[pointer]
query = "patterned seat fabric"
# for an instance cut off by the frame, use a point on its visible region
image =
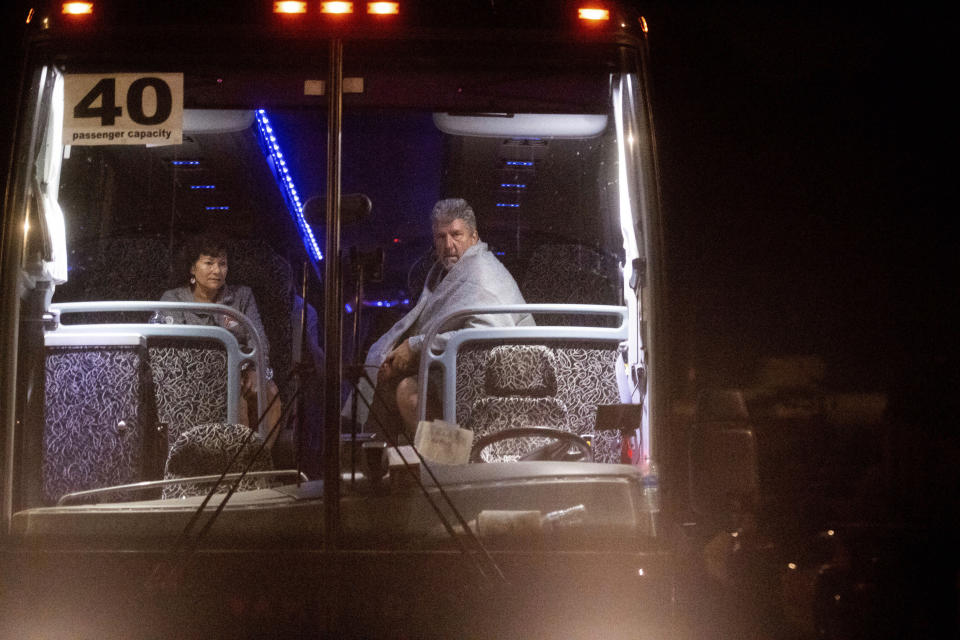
(189, 383)
(88, 393)
(255, 264)
(571, 274)
(175, 383)
(491, 415)
(523, 370)
(557, 384)
(206, 450)
(130, 268)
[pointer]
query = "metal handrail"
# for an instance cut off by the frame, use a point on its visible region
(446, 358)
(255, 355)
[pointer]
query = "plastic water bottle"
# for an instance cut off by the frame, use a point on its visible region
(651, 495)
(564, 518)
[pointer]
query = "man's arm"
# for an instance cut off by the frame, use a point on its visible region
(402, 361)
(415, 343)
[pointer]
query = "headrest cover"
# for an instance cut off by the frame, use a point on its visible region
(520, 370)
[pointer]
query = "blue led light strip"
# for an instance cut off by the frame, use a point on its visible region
(274, 155)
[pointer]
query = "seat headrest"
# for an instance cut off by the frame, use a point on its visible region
(520, 370)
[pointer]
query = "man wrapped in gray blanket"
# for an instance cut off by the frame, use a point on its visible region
(466, 274)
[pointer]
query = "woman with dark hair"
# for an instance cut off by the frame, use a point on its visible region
(205, 258)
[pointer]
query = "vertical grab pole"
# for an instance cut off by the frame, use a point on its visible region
(333, 304)
(298, 427)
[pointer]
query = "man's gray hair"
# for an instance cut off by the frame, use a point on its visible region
(450, 209)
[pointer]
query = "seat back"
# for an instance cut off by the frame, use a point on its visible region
(507, 387)
(127, 268)
(207, 449)
(554, 383)
(97, 419)
(571, 274)
(189, 384)
(553, 376)
(255, 264)
(117, 396)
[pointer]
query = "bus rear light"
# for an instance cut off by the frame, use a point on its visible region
(289, 7)
(593, 14)
(77, 8)
(339, 8)
(383, 8)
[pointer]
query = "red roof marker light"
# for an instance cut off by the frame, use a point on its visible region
(289, 7)
(593, 14)
(383, 8)
(339, 8)
(77, 8)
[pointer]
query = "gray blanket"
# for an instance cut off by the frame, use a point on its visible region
(477, 279)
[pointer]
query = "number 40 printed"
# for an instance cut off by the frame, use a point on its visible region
(125, 108)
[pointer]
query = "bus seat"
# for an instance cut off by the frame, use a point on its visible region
(572, 274)
(255, 264)
(125, 268)
(207, 449)
(111, 413)
(517, 388)
(553, 384)
(587, 377)
(141, 268)
(189, 381)
(96, 429)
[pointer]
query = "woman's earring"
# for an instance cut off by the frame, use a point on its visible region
(193, 280)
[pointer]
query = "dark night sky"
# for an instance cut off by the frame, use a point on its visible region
(803, 159)
(801, 212)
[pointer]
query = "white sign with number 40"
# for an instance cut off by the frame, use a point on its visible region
(123, 108)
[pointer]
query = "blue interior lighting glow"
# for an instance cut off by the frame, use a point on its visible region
(508, 204)
(383, 303)
(184, 163)
(203, 186)
(512, 185)
(274, 156)
(519, 163)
